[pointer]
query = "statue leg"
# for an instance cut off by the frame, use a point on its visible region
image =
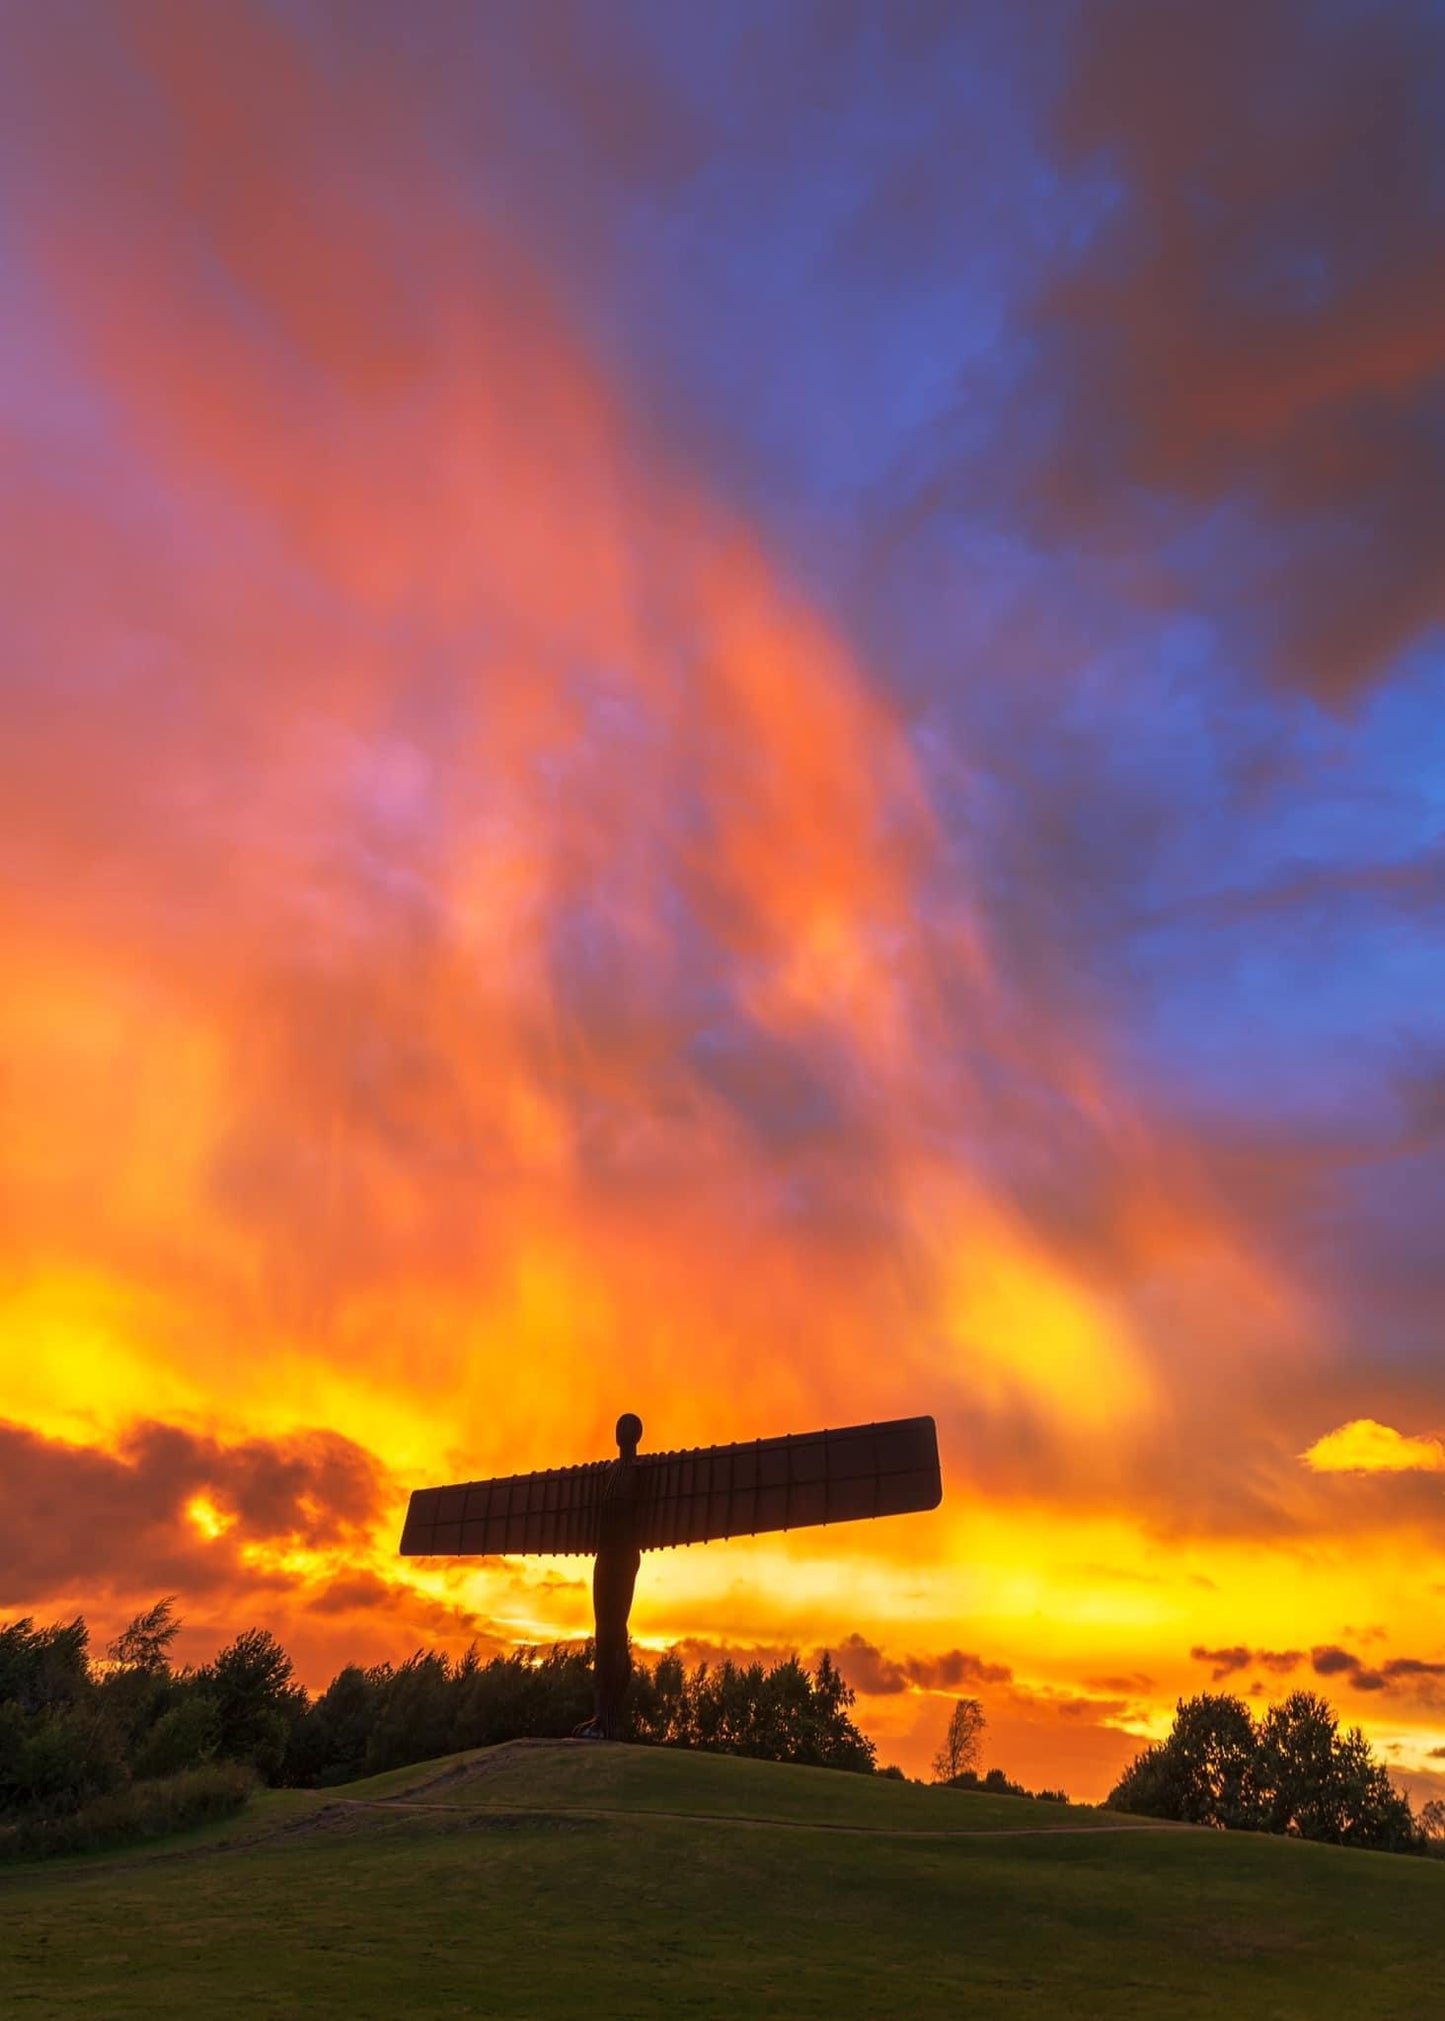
(613, 1579)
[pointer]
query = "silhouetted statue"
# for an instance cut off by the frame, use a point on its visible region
(614, 1575)
(617, 1509)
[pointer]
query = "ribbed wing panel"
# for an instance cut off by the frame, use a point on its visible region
(789, 1483)
(554, 1512)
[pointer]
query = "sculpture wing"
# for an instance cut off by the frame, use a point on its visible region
(553, 1512)
(789, 1483)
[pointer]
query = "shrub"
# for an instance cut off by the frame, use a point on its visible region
(147, 1810)
(996, 1783)
(66, 1757)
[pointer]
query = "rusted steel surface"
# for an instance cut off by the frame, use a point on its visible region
(790, 1483)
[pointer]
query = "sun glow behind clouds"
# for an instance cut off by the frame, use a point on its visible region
(203, 1515)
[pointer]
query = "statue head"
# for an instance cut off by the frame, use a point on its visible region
(629, 1431)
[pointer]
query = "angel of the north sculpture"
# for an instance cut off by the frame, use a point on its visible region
(614, 1510)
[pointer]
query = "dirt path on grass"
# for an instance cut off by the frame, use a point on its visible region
(567, 1810)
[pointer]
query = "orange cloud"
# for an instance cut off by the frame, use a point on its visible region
(1365, 1446)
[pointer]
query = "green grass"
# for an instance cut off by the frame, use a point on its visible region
(625, 1883)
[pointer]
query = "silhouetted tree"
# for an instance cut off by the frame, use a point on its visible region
(146, 1644)
(415, 1708)
(136, 1688)
(257, 1700)
(57, 1748)
(1318, 1783)
(784, 1714)
(1293, 1772)
(44, 1667)
(328, 1744)
(526, 1693)
(963, 1742)
(1205, 1773)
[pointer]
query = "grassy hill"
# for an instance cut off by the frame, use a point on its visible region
(565, 1879)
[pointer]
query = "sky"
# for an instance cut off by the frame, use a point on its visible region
(737, 713)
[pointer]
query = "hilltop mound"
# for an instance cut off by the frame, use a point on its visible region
(556, 1878)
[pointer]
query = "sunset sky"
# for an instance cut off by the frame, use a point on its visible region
(737, 712)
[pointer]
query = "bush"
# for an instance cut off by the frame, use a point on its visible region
(996, 1783)
(65, 1758)
(147, 1810)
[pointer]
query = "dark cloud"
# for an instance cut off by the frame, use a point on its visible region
(955, 1667)
(1225, 1662)
(396, 1606)
(354, 1593)
(1080, 1706)
(1009, 1702)
(1412, 1666)
(84, 1522)
(869, 1671)
(1329, 1660)
(1260, 321)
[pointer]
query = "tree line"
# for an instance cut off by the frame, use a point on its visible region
(389, 1715)
(94, 1751)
